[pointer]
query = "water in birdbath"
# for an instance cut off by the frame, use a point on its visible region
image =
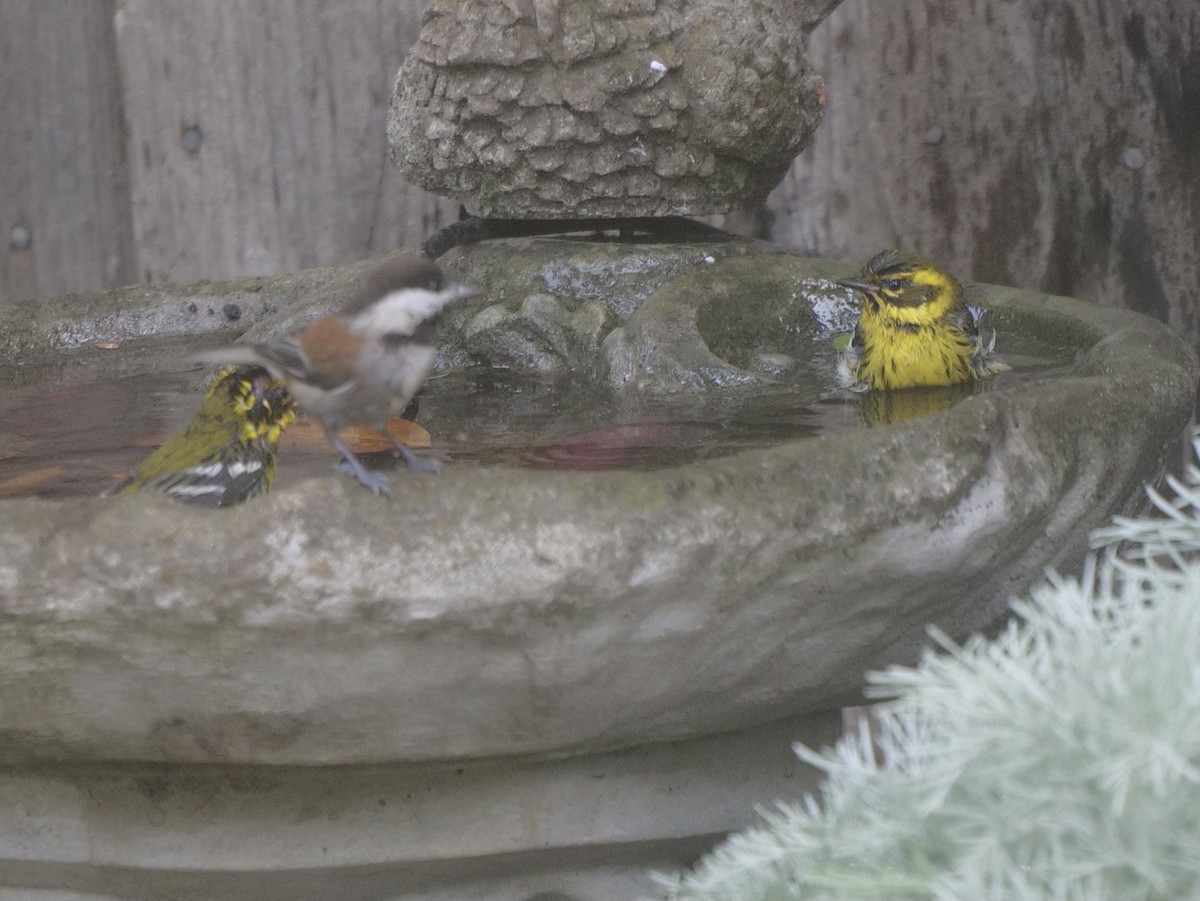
(92, 424)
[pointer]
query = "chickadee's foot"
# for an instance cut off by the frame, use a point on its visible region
(418, 464)
(411, 460)
(422, 464)
(377, 482)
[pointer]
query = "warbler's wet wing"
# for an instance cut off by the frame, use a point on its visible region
(858, 341)
(848, 372)
(966, 319)
(214, 483)
(983, 337)
(244, 483)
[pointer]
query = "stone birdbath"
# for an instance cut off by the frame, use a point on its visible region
(512, 682)
(509, 679)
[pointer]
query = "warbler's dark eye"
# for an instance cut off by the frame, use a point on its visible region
(893, 284)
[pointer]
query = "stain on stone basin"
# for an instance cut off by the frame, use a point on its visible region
(503, 610)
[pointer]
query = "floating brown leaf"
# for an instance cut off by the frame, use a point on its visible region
(29, 482)
(307, 436)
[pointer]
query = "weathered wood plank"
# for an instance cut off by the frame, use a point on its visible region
(62, 165)
(257, 139)
(1050, 146)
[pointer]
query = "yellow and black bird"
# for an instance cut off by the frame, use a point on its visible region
(227, 453)
(915, 329)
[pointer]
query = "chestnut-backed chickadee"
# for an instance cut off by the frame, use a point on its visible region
(364, 363)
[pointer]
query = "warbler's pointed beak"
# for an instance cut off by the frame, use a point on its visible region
(857, 284)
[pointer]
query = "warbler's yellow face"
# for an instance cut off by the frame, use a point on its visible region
(256, 400)
(906, 288)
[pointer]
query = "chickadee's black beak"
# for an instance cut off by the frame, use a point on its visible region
(857, 284)
(461, 290)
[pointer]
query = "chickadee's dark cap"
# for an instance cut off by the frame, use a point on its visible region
(396, 275)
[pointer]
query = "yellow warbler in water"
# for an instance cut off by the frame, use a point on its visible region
(915, 329)
(227, 453)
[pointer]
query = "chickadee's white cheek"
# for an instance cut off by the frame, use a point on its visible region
(399, 312)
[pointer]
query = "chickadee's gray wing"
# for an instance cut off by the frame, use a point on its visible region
(285, 357)
(325, 355)
(238, 354)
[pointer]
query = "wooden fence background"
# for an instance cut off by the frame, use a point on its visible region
(1044, 145)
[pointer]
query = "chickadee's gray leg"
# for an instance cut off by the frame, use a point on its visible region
(376, 481)
(411, 460)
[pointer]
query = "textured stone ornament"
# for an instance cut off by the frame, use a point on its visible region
(593, 108)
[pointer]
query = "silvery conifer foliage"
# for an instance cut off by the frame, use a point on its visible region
(1060, 760)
